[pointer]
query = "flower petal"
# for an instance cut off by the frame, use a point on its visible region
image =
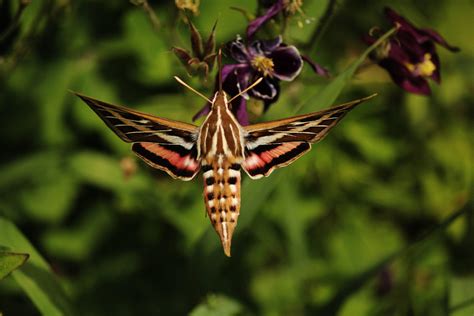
(238, 51)
(404, 78)
(416, 85)
(287, 62)
(397, 19)
(267, 103)
(399, 53)
(266, 90)
(204, 111)
(320, 70)
(239, 108)
(264, 47)
(236, 78)
(421, 35)
(229, 69)
(269, 45)
(436, 75)
(258, 22)
(435, 36)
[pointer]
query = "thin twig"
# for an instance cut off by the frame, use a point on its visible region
(321, 26)
(244, 12)
(155, 22)
(23, 45)
(16, 20)
(438, 228)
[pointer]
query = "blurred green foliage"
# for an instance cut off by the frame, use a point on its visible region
(9, 261)
(376, 220)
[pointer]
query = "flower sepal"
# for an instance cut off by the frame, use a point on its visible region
(201, 59)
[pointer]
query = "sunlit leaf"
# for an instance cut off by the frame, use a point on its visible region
(98, 169)
(461, 295)
(217, 305)
(36, 277)
(10, 261)
(42, 186)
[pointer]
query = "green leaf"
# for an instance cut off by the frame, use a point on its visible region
(81, 240)
(30, 184)
(358, 304)
(98, 169)
(217, 305)
(36, 277)
(461, 295)
(10, 261)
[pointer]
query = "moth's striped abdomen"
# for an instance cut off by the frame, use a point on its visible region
(222, 197)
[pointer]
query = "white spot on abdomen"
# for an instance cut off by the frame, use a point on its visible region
(208, 174)
(234, 173)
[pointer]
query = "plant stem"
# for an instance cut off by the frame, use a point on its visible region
(321, 26)
(155, 22)
(15, 22)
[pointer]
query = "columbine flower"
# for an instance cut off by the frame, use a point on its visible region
(201, 60)
(410, 55)
(270, 59)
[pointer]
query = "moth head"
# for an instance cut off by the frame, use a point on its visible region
(220, 100)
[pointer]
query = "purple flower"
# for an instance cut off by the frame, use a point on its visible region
(410, 55)
(270, 59)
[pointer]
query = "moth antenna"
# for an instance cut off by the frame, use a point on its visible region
(192, 89)
(219, 64)
(247, 89)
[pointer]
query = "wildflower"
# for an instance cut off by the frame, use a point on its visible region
(201, 60)
(410, 55)
(270, 59)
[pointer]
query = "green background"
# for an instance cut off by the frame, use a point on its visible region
(376, 220)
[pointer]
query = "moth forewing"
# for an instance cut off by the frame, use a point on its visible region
(163, 144)
(276, 144)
